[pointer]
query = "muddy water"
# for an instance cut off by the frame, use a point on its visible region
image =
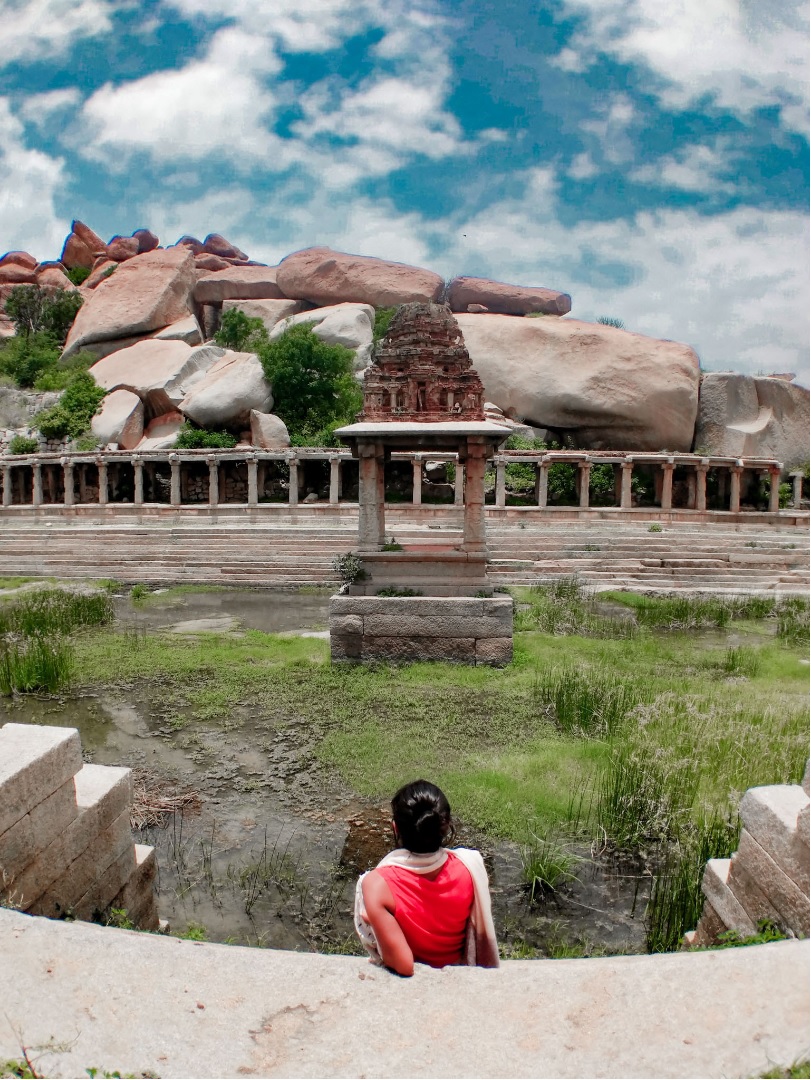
(271, 856)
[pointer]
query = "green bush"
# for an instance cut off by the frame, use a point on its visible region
(32, 309)
(313, 385)
(240, 332)
(609, 320)
(71, 417)
(25, 358)
(191, 438)
(22, 444)
(57, 377)
(383, 317)
(79, 274)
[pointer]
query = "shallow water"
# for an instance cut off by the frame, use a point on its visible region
(272, 855)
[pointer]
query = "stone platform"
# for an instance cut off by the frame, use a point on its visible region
(460, 629)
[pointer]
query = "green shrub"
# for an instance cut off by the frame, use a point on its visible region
(79, 274)
(22, 444)
(58, 376)
(349, 568)
(383, 317)
(71, 416)
(609, 320)
(191, 438)
(32, 309)
(26, 357)
(240, 332)
(313, 384)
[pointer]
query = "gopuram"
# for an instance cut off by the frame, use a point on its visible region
(428, 601)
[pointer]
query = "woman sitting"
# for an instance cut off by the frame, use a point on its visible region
(424, 903)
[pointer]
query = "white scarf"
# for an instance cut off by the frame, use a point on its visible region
(481, 948)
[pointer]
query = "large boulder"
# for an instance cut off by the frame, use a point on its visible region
(144, 294)
(122, 248)
(119, 420)
(187, 330)
(18, 268)
(147, 240)
(52, 275)
(269, 311)
(19, 258)
(268, 431)
(503, 299)
(238, 283)
(350, 325)
(608, 388)
(215, 244)
(82, 247)
(161, 373)
(753, 416)
(231, 388)
(326, 277)
(162, 432)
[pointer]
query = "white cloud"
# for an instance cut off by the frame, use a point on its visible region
(582, 167)
(613, 117)
(40, 109)
(693, 168)
(744, 53)
(40, 29)
(31, 181)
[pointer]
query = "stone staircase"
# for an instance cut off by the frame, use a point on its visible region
(604, 554)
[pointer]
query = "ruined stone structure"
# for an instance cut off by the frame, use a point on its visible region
(767, 877)
(66, 847)
(422, 371)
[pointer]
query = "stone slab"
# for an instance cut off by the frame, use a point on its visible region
(102, 890)
(493, 607)
(789, 901)
(495, 651)
(345, 624)
(23, 842)
(137, 897)
(715, 886)
(770, 815)
(418, 649)
(103, 793)
(448, 626)
(34, 762)
(734, 1012)
(345, 646)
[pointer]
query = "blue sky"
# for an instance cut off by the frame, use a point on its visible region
(649, 158)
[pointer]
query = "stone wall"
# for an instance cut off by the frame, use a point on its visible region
(462, 629)
(767, 877)
(66, 847)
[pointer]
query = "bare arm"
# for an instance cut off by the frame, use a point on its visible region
(379, 904)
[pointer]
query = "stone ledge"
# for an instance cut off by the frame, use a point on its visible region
(34, 762)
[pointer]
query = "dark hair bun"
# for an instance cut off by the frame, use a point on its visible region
(422, 816)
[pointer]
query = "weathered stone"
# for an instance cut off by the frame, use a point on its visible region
(21, 844)
(122, 248)
(210, 262)
(607, 387)
(710, 927)
(19, 258)
(496, 651)
(119, 420)
(214, 244)
(350, 325)
(345, 624)
(87, 236)
(323, 276)
(147, 241)
(144, 294)
(192, 243)
(416, 649)
(268, 431)
(12, 273)
(447, 626)
(269, 311)
(187, 330)
(504, 299)
(162, 432)
(750, 416)
(715, 886)
(751, 893)
(102, 891)
(161, 373)
(476, 309)
(345, 647)
(52, 275)
(82, 247)
(34, 762)
(102, 269)
(770, 816)
(238, 283)
(137, 897)
(785, 897)
(806, 781)
(231, 388)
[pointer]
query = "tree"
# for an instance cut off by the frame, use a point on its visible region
(314, 389)
(33, 309)
(239, 331)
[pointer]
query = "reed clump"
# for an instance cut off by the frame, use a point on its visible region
(565, 606)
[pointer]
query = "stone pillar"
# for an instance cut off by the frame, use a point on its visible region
(459, 485)
(292, 493)
(666, 501)
(625, 488)
(735, 487)
(797, 494)
(174, 485)
(213, 480)
(253, 480)
(67, 470)
(617, 484)
(542, 485)
(370, 534)
(583, 473)
(6, 485)
(700, 480)
(138, 481)
(416, 480)
(381, 494)
(334, 479)
(36, 484)
(723, 483)
(474, 539)
(103, 489)
(82, 482)
(774, 490)
(501, 482)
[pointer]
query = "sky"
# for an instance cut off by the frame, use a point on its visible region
(649, 158)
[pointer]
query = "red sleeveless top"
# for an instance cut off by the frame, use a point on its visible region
(432, 914)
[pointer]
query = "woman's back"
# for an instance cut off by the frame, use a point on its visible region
(432, 909)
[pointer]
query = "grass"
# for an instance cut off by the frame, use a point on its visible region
(546, 864)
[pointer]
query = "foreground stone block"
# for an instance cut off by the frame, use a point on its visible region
(771, 816)
(20, 845)
(728, 908)
(785, 897)
(137, 897)
(119, 420)
(238, 283)
(417, 649)
(482, 295)
(231, 388)
(34, 762)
